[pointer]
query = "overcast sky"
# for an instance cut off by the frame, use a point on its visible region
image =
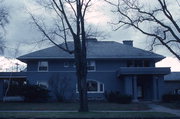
(21, 32)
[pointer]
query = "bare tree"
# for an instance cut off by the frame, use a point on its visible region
(163, 24)
(3, 22)
(59, 86)
(69, 24)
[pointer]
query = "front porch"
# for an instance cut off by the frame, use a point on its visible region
(143, 83)
(9, 78)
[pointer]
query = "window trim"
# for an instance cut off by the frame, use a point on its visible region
(43, 70)
(98, 84)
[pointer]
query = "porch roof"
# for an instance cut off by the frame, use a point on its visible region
(143, 71)
(13, 75)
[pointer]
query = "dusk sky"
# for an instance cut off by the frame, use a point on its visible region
(22, 34)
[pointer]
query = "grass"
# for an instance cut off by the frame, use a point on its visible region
(84, 115)
(73, 106)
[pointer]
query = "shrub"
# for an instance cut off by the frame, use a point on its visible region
(171, 98)
(36, 93)
(15, 90)
(118, 98)
(31, 93)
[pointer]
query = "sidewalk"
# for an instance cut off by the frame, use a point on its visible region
(159, 108)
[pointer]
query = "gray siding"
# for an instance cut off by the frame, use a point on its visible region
(32, 65)
(101, 65)
(106, 73)
(109, 65)
(111, 83)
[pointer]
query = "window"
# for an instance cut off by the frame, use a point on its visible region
(66, 64)
(101, 87)
(176, 91)
(91, 65)
(93, 87)
(130, 63)
(137, 63)
(74, 64)
(43, 66)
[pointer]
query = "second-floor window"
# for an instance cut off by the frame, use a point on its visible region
(138, 63)
(91, 65)
(66, 64)
(43, 66)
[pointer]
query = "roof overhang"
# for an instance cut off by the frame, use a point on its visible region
(25, 59)
(178, 80)
(143, 71)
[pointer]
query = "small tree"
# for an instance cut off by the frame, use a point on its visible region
(59, 86)
(164, 26)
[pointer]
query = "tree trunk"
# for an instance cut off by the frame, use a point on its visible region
(81, 72)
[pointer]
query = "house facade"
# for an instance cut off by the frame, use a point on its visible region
(112, 66)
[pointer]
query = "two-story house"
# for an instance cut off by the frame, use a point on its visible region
(112, 66)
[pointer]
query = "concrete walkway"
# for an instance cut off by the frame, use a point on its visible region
(159, 108)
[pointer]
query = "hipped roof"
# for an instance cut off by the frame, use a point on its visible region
(95, 50)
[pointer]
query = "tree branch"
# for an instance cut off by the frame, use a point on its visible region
(47, 36)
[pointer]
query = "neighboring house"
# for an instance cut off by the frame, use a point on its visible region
(112, 66)
(172, 83)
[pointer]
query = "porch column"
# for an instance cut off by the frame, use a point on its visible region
(1, 89)
(135, 97)
(155, 88)
(128, 85)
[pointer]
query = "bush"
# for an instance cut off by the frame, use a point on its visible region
(36, 93)
(171, 98)
(15, 90)
(118, 98)
(31, 93)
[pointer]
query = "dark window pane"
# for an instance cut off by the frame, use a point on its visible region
(92, 86)
(101, 87)
(90, 68)
(42, 68)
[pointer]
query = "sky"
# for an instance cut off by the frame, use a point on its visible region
(22, 35)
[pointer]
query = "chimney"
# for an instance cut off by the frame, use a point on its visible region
(128, 42)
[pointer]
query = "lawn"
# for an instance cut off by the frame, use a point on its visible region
(73, 106)
(84, 115)
(93, 106)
